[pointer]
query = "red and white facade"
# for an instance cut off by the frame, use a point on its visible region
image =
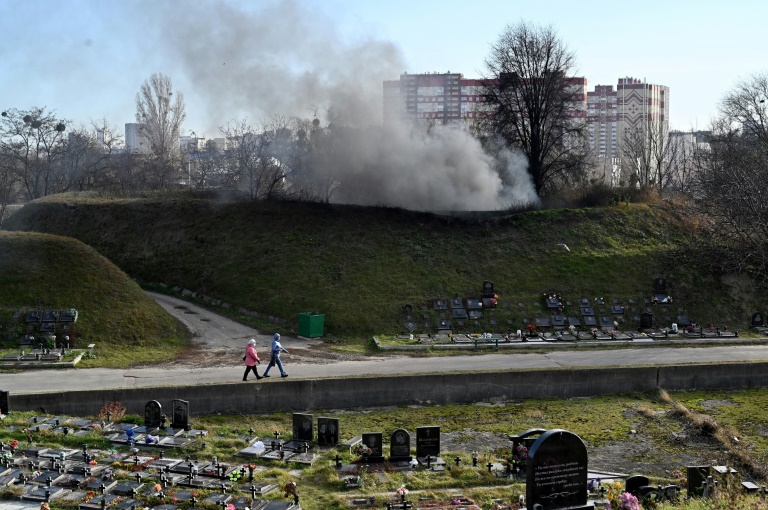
(449, 98)
(632, 107)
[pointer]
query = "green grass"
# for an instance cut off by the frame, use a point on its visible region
(360, 265)
(41, 272)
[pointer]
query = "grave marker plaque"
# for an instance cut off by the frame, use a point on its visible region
(303, 427)
(400, 446)
(5, 402)
(557, 472)
(152, 414)
(180, 414)
(758, 320)
(427, 441)
(327, 431)
(374, 441)
(646, 320)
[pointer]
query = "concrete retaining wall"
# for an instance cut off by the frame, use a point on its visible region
(308, 394)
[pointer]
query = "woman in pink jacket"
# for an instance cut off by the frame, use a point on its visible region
(251, 358)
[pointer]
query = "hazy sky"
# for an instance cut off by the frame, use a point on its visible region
(86, 59)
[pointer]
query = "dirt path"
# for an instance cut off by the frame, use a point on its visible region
(218, 341)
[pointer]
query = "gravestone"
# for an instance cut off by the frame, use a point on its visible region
(5, 402)
(633, 483)
(587, 311)
(660, 285)
(400, 446)
(474, 304)
(153, 412)
(441, 304)
(443, 325)
(374, 441)
(488, 289)
(696, 476)
(303, 427)
(590, 320)
(553, 303)
(556, 476)
(427, 442)
(558, 321)
(180, 413)
(459, 313)
(646, 320)
(327, 431)
(758, 320)
(457, 303)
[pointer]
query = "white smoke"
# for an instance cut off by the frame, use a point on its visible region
(288, 58)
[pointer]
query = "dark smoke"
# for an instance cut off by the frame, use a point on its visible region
(288, 58)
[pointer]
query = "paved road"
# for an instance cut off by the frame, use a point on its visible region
(221, 331)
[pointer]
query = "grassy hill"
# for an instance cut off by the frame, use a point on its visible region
(360, 265)
(39, 272)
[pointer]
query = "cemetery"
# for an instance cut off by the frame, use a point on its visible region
(488, 321)
(41, 338)
(166, 460)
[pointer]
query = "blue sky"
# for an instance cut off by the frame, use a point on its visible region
(86, 59)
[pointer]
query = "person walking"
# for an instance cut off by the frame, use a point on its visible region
(274, 359)
(251, 358)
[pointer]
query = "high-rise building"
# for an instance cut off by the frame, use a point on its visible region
(445, 98)
(449, 98)
(134, 140)
(633, 108)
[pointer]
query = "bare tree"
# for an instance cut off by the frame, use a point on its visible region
(88, 157)
(650, 155)
(32, 143)
(160, 114)
(9, 186)
(531, 101)
(732, 186)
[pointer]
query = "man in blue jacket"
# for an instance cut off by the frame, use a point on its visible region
(277, 348)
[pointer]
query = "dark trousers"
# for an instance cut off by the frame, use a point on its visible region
(248, 369)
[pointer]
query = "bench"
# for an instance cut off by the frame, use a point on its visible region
(487, 340)
(351, 443)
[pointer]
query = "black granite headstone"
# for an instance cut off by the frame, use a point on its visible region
(659, 285)
(152, 414)
(758, 320)
(488, 289)
(556, 474)
(374, 441)
(646, 320)
(5, 402)
(696, 476)
(303, 427)
(180, 418)
(427, 442)
(400, 446)
(327, 431)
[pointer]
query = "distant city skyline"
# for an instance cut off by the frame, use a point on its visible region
(86, 59)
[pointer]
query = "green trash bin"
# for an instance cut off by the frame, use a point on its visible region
(311, 324)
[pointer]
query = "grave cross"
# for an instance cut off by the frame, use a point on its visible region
(162, 454)
(253, 492)
(65, 430)
(489, 466)
(138, 477)
(47, 494)
(250, 431)
(102, 488)
(429, 461)
(223, 505)
(457, 460)
(48, 481)
(338, 461)
(474, 460)
(276, 434)
(223, 488)
(194, 501)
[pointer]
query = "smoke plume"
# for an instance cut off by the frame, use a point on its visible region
(288, 58)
